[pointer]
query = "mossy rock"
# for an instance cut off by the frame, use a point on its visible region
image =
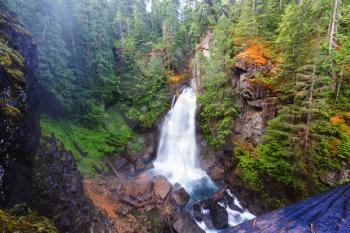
(30, 223)
(11, 62)
(10, 111)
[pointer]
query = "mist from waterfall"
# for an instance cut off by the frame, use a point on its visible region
(177, 155)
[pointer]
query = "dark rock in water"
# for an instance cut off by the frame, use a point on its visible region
(197, 211)
(184, 223)
(219, 215)
(230, 202)
(160, 187)
(207, 220)
(58, 192)
(234, 207)
(181, 197)
(210, 203)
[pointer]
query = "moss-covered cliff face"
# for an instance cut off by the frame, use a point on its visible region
(21, 219)
(19, 115)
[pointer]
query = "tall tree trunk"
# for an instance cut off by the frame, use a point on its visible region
(232, 2)
(346, 59)
(121, 32)
(307, 133)
(254, 7)
(280, 5)
(332, 41)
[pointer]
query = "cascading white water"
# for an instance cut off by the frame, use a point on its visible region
(177, 152)
(177, 157)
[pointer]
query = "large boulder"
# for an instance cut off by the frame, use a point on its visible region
(218, 215)
(136, 191)
(160, 187)
(181, 197)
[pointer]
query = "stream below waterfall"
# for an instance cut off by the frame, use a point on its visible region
(177, 159)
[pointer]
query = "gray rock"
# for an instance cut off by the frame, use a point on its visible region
(217, 172)
(329, 177)
(161, 187)
(181, 197)
(197, 212)
(184, 223)
(119, 162)
(218, 215)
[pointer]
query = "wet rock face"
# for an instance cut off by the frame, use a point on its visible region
(58, 192)
(217, 172)
(19, 115)
(218, 215)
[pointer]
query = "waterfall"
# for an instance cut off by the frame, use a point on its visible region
(177, 158)
(177, 155)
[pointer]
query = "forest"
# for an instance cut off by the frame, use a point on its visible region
(272, 82)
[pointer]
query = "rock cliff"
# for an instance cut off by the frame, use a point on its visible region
(58, 192)
(19, 115)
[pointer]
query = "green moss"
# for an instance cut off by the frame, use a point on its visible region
(10, 111)
(154, 221)
(95, 142)
(11, 61)
(30, 223)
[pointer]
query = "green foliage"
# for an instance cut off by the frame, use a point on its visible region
(154, 221)
(218, 111)
(248, 169)
(246, 26)
(75, 58)
(96, 143)
(301, 143)
(343, 149)
(146, 108)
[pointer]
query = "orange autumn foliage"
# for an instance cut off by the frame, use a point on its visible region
(336, 120)
(175, 78)
(340, 120)
(255, 53)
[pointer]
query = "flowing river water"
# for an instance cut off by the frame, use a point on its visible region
(177, 158)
